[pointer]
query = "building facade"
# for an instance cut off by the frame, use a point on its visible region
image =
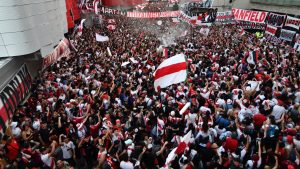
(27, 26)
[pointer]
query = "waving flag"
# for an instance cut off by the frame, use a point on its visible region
(184, 142)
(95, 4)
(80, 27)
(171, 71)
(100, 38)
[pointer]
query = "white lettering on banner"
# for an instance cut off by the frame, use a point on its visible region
(292, 22)
(224, 16)
(153, 14)
(250, 16)
(287, 35)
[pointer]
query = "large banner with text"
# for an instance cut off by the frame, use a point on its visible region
(249, 15)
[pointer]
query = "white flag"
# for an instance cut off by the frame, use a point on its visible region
(100, 38)
(133, 60)
(80, 27)
(170, 71)
(109, 52)
(204, 31)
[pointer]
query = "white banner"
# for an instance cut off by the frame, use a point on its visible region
(287, 35)
(100, 38)
(153, 14)
(225, 16)
(271, 30)
(292, 22)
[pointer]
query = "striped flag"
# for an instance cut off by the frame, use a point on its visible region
(184, 142)
(95, 4)
(171, 71)
(79, 31)
(160, 126)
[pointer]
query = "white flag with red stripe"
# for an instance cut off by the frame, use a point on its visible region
(171, 71)
(184, 142)
(160, 126)
(80, 27)
(95, 4)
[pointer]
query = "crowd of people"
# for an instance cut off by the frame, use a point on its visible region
(91, 110)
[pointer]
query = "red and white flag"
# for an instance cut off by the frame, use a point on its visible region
(111, 27)
(171, 71)
(160, 126)
(95, 4)
(271, 30)
(184, 142)
(111, 21)
(79, 32)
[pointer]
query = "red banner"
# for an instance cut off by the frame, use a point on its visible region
(271, 30)
(153, 14)
(61, 50)
(250, 16)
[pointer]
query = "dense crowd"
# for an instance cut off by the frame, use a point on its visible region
(91, 110)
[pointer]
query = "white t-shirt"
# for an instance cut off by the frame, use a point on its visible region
(297, 99)
(16, 132)
(67, 149)
(126, 165)
(278, 111)
(81, 133)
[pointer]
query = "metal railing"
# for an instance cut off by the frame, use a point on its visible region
(278, 2)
